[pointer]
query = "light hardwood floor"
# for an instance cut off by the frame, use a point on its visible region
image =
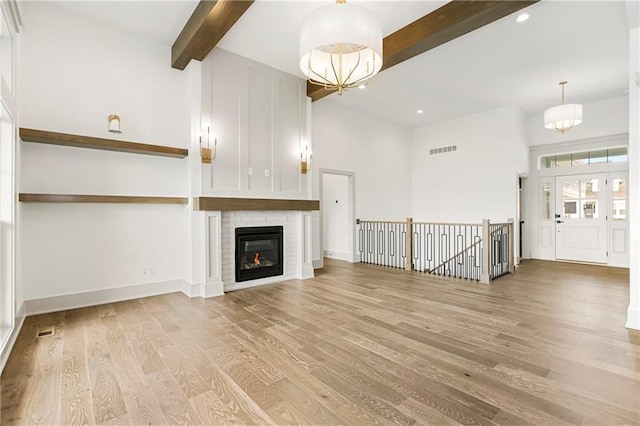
(358, 344)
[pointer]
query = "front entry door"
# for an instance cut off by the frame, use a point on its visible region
(581, 222)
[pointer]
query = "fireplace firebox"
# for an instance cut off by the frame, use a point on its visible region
(258, 252)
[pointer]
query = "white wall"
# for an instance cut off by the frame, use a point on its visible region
(603, 118)
(258, 115)
(335, 215)
(477, 181)
(74, 73)
(378, 152)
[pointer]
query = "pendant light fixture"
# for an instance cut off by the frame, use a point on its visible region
(562, 117)
(340, 46)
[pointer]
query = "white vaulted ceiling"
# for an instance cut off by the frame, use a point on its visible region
(503, 63)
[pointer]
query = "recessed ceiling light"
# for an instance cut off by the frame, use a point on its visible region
(419, 111)
(522, 17)
(362, 86)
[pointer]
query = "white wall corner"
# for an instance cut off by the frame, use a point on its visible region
(633, 318)
(338, 255)
(355, 258)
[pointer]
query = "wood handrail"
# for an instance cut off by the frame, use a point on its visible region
(447, 224)
(359, 221)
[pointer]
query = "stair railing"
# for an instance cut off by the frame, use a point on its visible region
(451, 249)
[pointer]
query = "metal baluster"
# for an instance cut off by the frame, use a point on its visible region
(381, 244)
(360, 240)
(432, 232)
(403, 236)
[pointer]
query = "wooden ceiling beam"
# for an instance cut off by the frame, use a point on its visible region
(208, 23)
(444, 24)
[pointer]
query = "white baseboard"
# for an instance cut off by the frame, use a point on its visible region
(214, 289)
(337, 255)
(347, 257)
(319, 263)
(191, 290)
(19, 321)
(100, 297)
(633, 319)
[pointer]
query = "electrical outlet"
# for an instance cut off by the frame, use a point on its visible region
(145, 271)
(266, 172)
(152, 271)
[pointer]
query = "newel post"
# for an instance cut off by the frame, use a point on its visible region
(409, 245)
(485, 277)
(512, 255)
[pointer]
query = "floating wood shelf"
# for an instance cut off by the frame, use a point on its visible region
(122, 199)
(65, 139)
(234, 204)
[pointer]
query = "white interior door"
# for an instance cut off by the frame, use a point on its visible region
(581, 222)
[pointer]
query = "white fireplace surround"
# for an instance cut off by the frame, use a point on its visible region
(218, 253)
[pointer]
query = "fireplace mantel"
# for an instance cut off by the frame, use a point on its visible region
(240, 204)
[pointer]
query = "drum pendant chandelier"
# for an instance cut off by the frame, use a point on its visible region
(340, 46)
(562, 117)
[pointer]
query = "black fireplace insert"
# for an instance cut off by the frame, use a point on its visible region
(258, 252)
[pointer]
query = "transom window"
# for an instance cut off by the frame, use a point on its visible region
(609, 155)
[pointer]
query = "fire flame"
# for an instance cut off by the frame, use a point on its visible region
(256, 259)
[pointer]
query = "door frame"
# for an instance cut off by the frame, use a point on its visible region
(353, 256)
(522, 210)
(540, 175)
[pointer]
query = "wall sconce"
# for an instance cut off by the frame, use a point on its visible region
(114, 123)
(205, 153)
(305, 160)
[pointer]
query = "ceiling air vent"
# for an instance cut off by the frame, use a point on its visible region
(443, 149)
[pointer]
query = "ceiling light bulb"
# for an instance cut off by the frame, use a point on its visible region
(522, 17)
(362, 86)
(420, 111)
